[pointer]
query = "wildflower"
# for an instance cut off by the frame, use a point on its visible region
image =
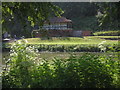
(19, 42)
(103, 41)
(102, 46)
(15, 53)
(26, 41)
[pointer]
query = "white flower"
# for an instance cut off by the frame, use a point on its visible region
(26, 41)
(19, 42)
(103, 41)
(102, 46)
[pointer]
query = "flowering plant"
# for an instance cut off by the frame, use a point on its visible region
(21, 63)
(102, 46)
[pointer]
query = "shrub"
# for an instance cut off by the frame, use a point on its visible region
(22, 59)
(74, 48)
(86, 71)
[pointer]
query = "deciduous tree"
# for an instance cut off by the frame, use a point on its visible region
(26, 14)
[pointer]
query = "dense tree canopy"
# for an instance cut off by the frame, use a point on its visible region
(83, 15)
(77, 9)
(26, 14)
(110, 15)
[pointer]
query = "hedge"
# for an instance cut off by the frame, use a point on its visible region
(107, 33)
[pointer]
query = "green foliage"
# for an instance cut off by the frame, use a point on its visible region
(86, 71)
(107, 33)
(40, 11)
(77, 9)
(71, 40)
(73, 44)
(110, 12)
(75, 48)
(22, 16)
(81, 13)
(85, 15)
(22, 59)
(80, 23)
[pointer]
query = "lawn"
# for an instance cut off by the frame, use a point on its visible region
(73, 40)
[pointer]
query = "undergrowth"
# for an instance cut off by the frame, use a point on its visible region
(24, 70)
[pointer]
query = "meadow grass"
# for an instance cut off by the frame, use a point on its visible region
(72, 40)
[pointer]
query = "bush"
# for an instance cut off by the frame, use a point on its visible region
(107, 33)
(86, 71)
(74, 48)
(21, 60)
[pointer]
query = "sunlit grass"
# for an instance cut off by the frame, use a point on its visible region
(102, 33)
(72, 40)
(104, 36)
